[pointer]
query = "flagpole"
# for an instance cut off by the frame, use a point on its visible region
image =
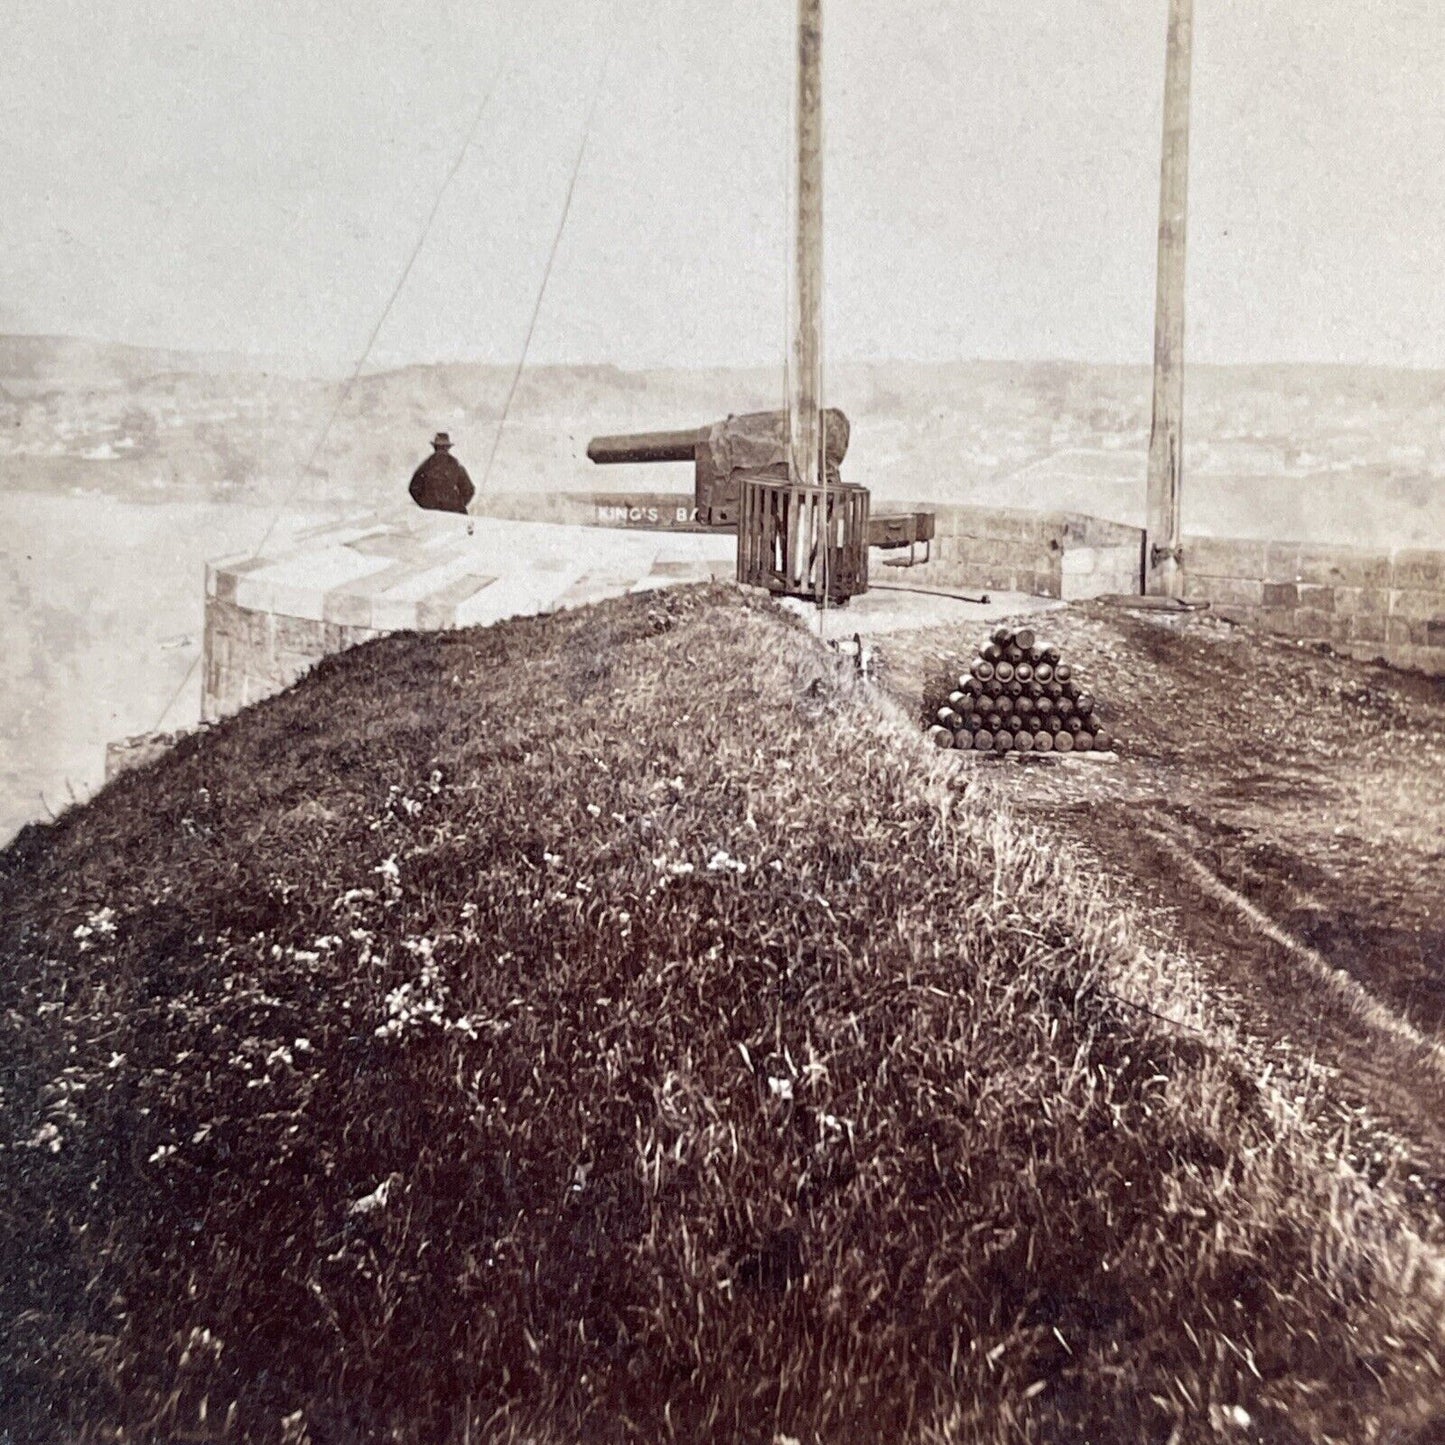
(1162, 554)
(805, 343)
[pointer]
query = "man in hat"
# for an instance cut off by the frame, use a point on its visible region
(441, 483)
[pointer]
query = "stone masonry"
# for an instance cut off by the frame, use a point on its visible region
(1366, 603)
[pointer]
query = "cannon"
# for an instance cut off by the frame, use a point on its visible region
(753, 444)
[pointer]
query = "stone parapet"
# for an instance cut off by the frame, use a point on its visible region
(271, 618)
(1048, 554)
(1368, 604)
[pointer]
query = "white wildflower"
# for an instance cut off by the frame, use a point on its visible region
(780, 1088)
(47, 1137)
(377, 1198)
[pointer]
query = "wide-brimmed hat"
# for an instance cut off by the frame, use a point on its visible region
(441, 439)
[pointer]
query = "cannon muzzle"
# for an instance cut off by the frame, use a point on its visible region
(721, 454)
(652, 446)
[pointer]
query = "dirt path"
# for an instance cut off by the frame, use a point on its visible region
(1279, 813)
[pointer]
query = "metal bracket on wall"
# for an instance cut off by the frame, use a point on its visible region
(912, 559)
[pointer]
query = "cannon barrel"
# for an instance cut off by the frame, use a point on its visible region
(650, 446)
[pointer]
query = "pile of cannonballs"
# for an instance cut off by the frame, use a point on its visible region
(1018, 697)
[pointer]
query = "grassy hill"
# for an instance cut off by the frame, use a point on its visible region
(619, 1027)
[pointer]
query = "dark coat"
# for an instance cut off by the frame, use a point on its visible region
(441, 484)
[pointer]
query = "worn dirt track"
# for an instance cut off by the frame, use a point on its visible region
(1277, 812)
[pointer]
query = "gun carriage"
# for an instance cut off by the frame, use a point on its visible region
(794, 539)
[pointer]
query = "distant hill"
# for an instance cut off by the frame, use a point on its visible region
(1314, 453)
(77, 362)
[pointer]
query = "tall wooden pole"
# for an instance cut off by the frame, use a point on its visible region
(805, 344)
(1162, 574)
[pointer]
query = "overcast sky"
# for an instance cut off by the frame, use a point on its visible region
(253, 176)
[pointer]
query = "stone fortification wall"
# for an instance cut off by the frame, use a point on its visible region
(1388, 604)
(1367, 603)
(1047, 554)
(270, 618)
(251, 654)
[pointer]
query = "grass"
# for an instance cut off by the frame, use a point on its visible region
(620, 1027)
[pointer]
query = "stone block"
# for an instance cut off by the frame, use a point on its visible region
(1081, 530)
(1234, 614)
(1224, 557)
(1278, 619)
(1275, 595)
(347, 609)
(289, 667)
(994, 551)
(1079, 561)
(1107, 579)
(965, 521)
(1366, 627)
(1397, 630)
(1417, 606)
(1417, 568)
(299, 635)
(1313, 622)
(1122, 577)
(1229, 591)
(1343, 567)
(1313, 595)
(1281, 561)
(435, 614)
(1356, 601)
(1012, 525)
(1039, 528)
